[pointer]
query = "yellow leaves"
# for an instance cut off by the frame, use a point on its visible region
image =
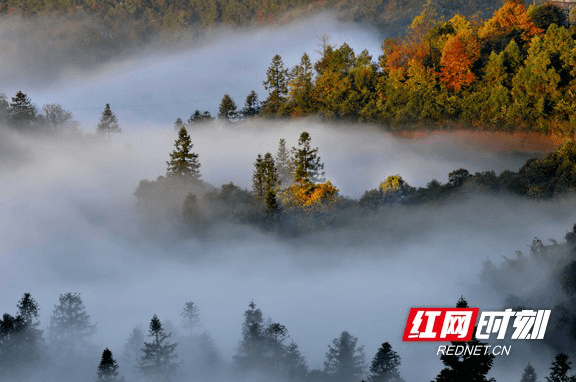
(511, 16)
(310, 195)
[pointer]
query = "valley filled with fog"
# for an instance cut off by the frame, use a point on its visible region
(69, 220)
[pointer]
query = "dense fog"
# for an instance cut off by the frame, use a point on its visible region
(70, 223)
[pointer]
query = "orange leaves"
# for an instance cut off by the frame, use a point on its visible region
(460, 52)
(512, 15)
(310, 194)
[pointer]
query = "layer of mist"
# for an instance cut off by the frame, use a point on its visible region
(70, 225)
(69, 220)
(173, 80)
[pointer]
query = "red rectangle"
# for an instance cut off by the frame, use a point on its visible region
(440, 324)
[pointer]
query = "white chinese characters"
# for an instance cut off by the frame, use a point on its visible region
(529, 324)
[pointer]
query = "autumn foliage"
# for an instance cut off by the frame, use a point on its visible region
(310, 194)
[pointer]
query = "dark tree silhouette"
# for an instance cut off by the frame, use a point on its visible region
(306, 162)
(157, 356)
(384, 367)
(108, 122)
(22, 113)
(559, 370)
(108, 368)
(466, 367)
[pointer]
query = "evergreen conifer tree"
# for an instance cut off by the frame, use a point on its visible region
(190, 316)
(252, 351)
(466, 367)
(529, 374)
(108, 122)
(178, 124)
(108, 368)
(384, 367)
(70, 327)
(302, 88)
(277, 86)
(294, 364)
(21, 343)
(227, 108)
(22, 112)
(157, 356)
(265, 177)
(344, 361)
(132, 347)
(183, 162)
(306, 162)
(559, 370)
(251, 105)
(284, 164)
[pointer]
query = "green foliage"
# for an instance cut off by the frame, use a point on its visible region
(198, 117)
(266, 182)
(251, 105)
(276, 84)
(306, 162)
(227, 109)
(183, 162)
(544, 15)
(393, 190)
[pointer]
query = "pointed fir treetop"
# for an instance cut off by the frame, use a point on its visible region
(22, 112)
(108, 368)
(183, 162)
(384, 366)
(227, 108)
(28, 309)
(108, 122)
(559, 370)
(251, 105)
(157, 356)
(529, 374)
(306, 162)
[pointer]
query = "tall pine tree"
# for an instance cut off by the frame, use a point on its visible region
(559, 370)
(529, 374)
(384, 367)
(466, 367)
(227, 109)
(183, 162)
(22, 113)
(306, 162)
(277, 86)
(284, 164)
(157, 357)
(108, 122)
(344, 361)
